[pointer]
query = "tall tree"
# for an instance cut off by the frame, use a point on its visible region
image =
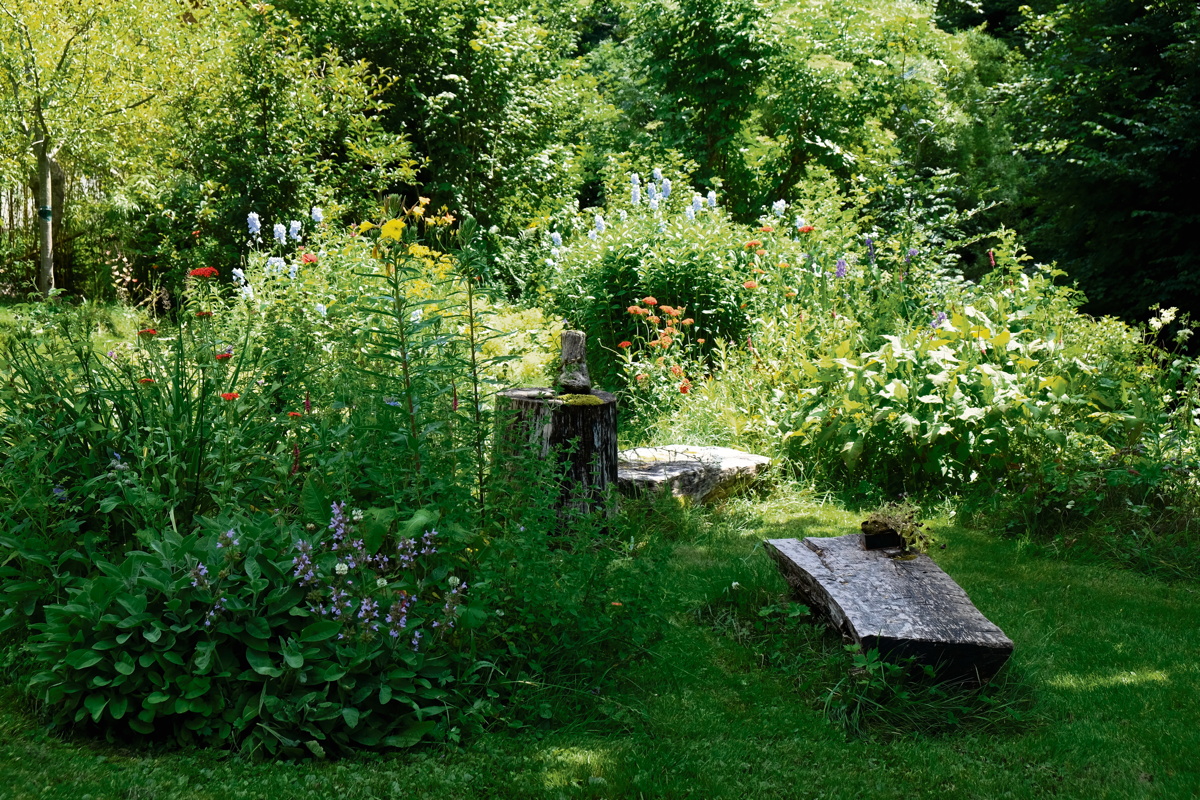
(79, 80)
(1112, 119)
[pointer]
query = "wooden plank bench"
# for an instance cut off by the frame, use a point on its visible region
(903, 607)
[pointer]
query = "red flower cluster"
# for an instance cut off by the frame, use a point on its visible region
(751, 284)
(650, 301)
(685, 387)
(295, 414)
(625, 344)
(308, 258)
(753, 244)
(223, 356)
(147, 332)
(145, 380)
(204, 272)
(229, 395)
(805, 229)
(766, 229)
(203, 314)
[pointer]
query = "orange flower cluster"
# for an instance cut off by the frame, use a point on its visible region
(753, 244)
(667, 316)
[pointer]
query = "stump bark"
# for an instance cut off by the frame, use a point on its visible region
(580, 430)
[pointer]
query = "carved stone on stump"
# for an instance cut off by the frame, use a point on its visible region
(903, 607)
(579, 426)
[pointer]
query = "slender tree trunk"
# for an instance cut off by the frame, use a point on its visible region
(45, 278)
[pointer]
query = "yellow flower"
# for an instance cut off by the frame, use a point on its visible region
(366, 226)
(392, 229)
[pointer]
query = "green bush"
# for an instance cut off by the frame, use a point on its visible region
(262, 638)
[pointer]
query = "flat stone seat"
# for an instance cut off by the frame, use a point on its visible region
(699, 474)
(902, 606)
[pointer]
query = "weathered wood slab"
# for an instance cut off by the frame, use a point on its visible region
(695, 473)
(902, 607)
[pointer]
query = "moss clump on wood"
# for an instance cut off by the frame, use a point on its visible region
(580, 400)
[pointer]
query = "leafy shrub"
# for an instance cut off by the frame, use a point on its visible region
(345, 640)
(693, 262)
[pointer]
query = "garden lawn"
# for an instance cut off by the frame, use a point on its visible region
(1104, 675)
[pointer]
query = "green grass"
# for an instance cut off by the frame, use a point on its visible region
(1103, 677)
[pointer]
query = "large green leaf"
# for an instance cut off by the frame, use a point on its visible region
(82, 659)
(320, 631)
(411, 735)
(261, 663)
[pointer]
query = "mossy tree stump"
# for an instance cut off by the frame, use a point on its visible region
(575, 425)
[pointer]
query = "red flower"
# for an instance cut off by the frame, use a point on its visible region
(145, 380)
(204, 272)
(766, 229)
(229, 395)
(677, 370)
(700, 341)
(760, 252)
(685, 387)
(295, 414)
(625, 344)
(147, 332)
(308, 258)
(203, 314)
(751, 284)
(805, 229)
(641, 377)
(653, 320)
(223, 356)
(753, 244)
(638, 310)
(650, 301)
(688, 321)
(195, 233)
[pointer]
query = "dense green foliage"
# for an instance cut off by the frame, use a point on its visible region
(1112, 103)
(253, 502)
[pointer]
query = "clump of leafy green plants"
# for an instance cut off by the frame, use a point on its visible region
(883, 697)
(273, 641)
(902, 521)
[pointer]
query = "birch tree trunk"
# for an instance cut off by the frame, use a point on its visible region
(45, 277)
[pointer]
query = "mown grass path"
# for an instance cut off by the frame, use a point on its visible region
(1107, 663)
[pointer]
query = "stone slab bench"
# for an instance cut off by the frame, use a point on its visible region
(699, 474)
(903, 607)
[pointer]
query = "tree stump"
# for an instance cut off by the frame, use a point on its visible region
(576, 425)
(580, 430)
